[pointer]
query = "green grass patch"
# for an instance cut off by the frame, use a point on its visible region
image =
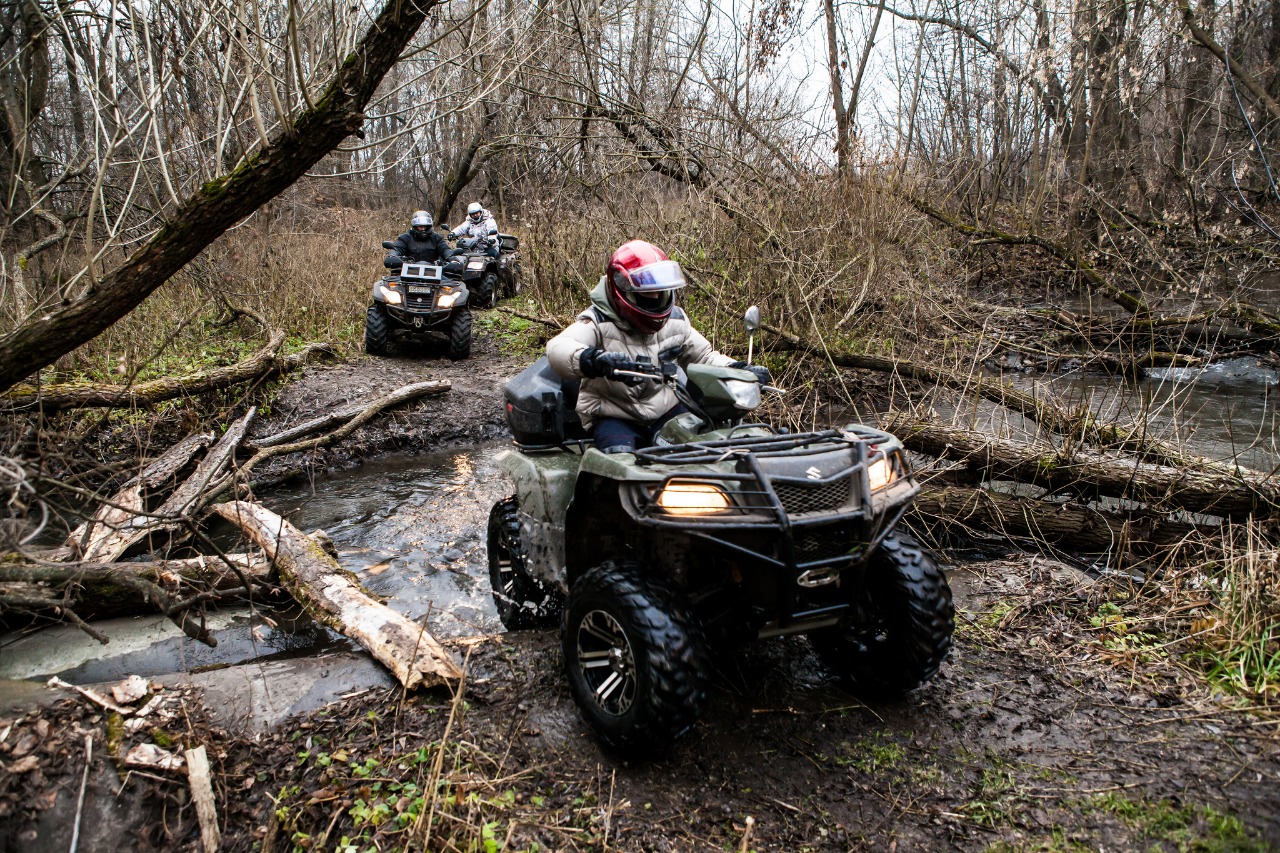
(1189, 828)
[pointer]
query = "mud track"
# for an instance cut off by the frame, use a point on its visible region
(1034, 736)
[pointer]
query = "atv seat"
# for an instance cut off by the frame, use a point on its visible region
(540, 407)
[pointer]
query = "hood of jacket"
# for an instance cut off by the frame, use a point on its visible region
(600, 301)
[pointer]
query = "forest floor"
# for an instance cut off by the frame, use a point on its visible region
(1050, 728)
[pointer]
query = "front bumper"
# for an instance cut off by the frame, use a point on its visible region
(806, 532)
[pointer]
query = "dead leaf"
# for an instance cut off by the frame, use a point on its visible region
(1200, 626)
(130, 690)
(47, 800)
(150, 755)
(378, 568)
(24, 765)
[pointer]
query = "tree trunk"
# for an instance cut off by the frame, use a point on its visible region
(95, 590)
(52, 398)
(334, 597)
(1088, 473)
(221, 203)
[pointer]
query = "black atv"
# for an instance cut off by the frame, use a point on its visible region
(723, 531)
(491, 278)
(419, 300)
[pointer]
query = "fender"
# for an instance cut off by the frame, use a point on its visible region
(544, 486)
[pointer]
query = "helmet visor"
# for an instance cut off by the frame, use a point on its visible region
(651, 301)
(663, 275)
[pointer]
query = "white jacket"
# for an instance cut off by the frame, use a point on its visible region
(487, 225)
(600, 327)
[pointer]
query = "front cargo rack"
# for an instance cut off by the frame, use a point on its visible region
(762, 446)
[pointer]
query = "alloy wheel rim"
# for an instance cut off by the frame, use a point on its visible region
(606, 662)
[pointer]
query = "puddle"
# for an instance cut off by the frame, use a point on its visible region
(412, 528)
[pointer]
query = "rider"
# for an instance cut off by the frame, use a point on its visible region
(479, 223)
(420, 244)
(632, 315)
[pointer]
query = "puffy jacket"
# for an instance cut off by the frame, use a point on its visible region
(431, 250)
(599, 326)
(486, 226)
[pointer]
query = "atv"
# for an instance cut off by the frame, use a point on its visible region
(487, 277)
(722, 532)
(417, 301)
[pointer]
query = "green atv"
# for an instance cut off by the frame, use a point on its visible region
(722, 532)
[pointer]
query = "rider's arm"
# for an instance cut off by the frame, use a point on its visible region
(566, 348)
(698, 350)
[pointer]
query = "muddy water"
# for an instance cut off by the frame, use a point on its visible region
(411, 527)
(1227, 410)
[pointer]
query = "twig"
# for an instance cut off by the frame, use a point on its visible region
(84, 784)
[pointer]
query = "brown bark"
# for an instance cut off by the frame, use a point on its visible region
(97, 590)
(124, 533)
(334, 597)
(1083, 472)
(1241, 74)
(264, 363)
(953, 509)
(221, 203)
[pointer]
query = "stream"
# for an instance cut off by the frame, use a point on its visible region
(413, 529)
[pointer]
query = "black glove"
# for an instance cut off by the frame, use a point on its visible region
(762, 373)
(595, 363)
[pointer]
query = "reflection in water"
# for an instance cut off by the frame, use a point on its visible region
(1224, 411)
(413, 531)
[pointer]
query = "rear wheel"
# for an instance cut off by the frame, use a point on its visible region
(899, 629)
(513, 280)
(522, 600)
(375, 331)
(489, 286)
(634, 657)
(460, 334)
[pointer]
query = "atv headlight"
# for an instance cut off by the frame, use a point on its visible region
(392, 296)
(746, 395)
(476, 263)
(693, 499)
(881, 473)
(448, 296)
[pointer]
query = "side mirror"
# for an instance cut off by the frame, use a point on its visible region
(752, 319)
(387, 244)
(444, 226)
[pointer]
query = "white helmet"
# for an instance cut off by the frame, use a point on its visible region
(475, 211)
(421, 222)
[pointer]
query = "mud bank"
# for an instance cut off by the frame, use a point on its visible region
(1036, 735)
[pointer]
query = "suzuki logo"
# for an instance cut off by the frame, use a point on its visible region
(814, 474)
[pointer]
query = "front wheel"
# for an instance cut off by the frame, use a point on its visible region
(460, 334)
(634, 657)
(375, 331)
(489, 287)
(522, 600)
(900, 625)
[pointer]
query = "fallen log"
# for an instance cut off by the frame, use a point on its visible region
(1078, 424)
(265, 362)
(128, 501)
(368, 413)
(334, 597)
(179, 506)
(955, 510)
(99, 590)
(549, 322)
(1090, 473)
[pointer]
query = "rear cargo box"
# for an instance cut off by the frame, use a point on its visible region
(539, 407)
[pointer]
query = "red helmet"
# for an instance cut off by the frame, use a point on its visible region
(641, 284)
